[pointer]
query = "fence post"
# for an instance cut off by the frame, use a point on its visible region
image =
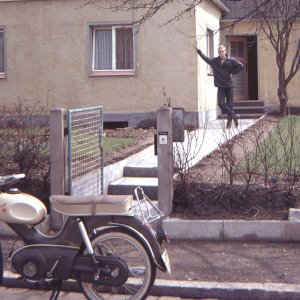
(165, 159)
(57, 161)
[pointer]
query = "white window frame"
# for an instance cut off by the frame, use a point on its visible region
(3, 73)
(93, 27)
(210, 44)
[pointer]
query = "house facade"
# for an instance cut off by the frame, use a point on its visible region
(251, 46)
(72, 55)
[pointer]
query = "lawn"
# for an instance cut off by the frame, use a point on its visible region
(281, 149)
(112, 144)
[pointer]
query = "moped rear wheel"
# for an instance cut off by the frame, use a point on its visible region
(142, 271)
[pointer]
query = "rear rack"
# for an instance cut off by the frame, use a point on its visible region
(145, 209)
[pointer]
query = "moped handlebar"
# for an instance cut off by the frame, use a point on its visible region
(9, 178)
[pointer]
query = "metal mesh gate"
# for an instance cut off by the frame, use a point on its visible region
(85, 151)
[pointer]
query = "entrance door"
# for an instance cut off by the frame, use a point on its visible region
(237, 48)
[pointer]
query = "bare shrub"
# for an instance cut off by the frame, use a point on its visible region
(24, 146)
(185, 156)
(227, 148)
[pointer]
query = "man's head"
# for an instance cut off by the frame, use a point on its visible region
(222, 51)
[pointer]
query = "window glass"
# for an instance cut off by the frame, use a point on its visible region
(112, 49)
(124, 48)
(103, 49)
(210, 47)
(2, 59)
(237, 49)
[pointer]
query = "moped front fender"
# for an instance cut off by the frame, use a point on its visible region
(136, 228)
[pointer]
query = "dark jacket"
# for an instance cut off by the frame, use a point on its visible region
(222, 71)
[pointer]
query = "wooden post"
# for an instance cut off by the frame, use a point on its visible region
(57, 161)
(165, 159)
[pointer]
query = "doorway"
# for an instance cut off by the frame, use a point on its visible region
(244, 49)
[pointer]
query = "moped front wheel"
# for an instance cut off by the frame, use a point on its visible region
(142, 271)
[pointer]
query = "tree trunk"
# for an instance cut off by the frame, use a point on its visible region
(283, 99)
(282, 90)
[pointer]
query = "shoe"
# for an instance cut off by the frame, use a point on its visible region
(235, 119)
(228, 125)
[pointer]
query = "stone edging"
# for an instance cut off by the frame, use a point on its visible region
(233, 230)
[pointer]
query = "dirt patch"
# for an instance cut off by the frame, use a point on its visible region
(142, 139)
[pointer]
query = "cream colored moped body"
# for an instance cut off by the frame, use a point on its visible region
(21, 208)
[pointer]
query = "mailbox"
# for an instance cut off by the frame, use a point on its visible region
(178, 124)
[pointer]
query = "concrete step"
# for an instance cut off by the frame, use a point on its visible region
(137, 171)
(249, 103)
(126, 186)
(245, 116)
(249, 110)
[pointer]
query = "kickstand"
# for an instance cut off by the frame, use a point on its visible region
(56, 289)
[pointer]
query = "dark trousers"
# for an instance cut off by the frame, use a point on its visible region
(225, 101)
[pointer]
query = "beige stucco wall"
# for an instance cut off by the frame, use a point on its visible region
(207, 16)
(47, 58)
(267, 67)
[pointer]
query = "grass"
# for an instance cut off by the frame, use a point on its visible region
(87, 145)
(112, 144)
(280, 151)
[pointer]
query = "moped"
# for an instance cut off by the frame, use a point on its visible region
(110, 244)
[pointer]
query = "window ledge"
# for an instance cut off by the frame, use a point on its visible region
(112, 73)
(2, 75)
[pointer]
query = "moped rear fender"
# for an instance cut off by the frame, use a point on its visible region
(135, 227)
(70, 234)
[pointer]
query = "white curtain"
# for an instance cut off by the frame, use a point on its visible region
(103, 49)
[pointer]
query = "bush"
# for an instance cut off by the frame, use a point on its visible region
(24, 146)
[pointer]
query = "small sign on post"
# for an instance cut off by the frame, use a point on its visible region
(163, 137)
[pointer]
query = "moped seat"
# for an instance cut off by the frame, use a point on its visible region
(92, 205)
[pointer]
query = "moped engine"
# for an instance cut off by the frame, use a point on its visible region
(36, 262)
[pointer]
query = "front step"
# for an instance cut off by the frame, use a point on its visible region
(249, 103)
(242, 116)
(137, 171)
(248, 109)
(126, 186)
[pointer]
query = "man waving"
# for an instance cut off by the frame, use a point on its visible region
(224, 68)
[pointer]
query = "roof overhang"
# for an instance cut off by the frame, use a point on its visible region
(221, 5)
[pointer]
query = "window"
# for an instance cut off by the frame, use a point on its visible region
(2, 54)
(112, 50)
(210, 47)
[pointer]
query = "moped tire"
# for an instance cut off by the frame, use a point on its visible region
(142, 271)
(1, 266)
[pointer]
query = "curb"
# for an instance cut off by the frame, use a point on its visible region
(233, 230)
(192, 289)
(227, 290)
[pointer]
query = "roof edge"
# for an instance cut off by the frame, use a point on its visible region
(221, 5)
